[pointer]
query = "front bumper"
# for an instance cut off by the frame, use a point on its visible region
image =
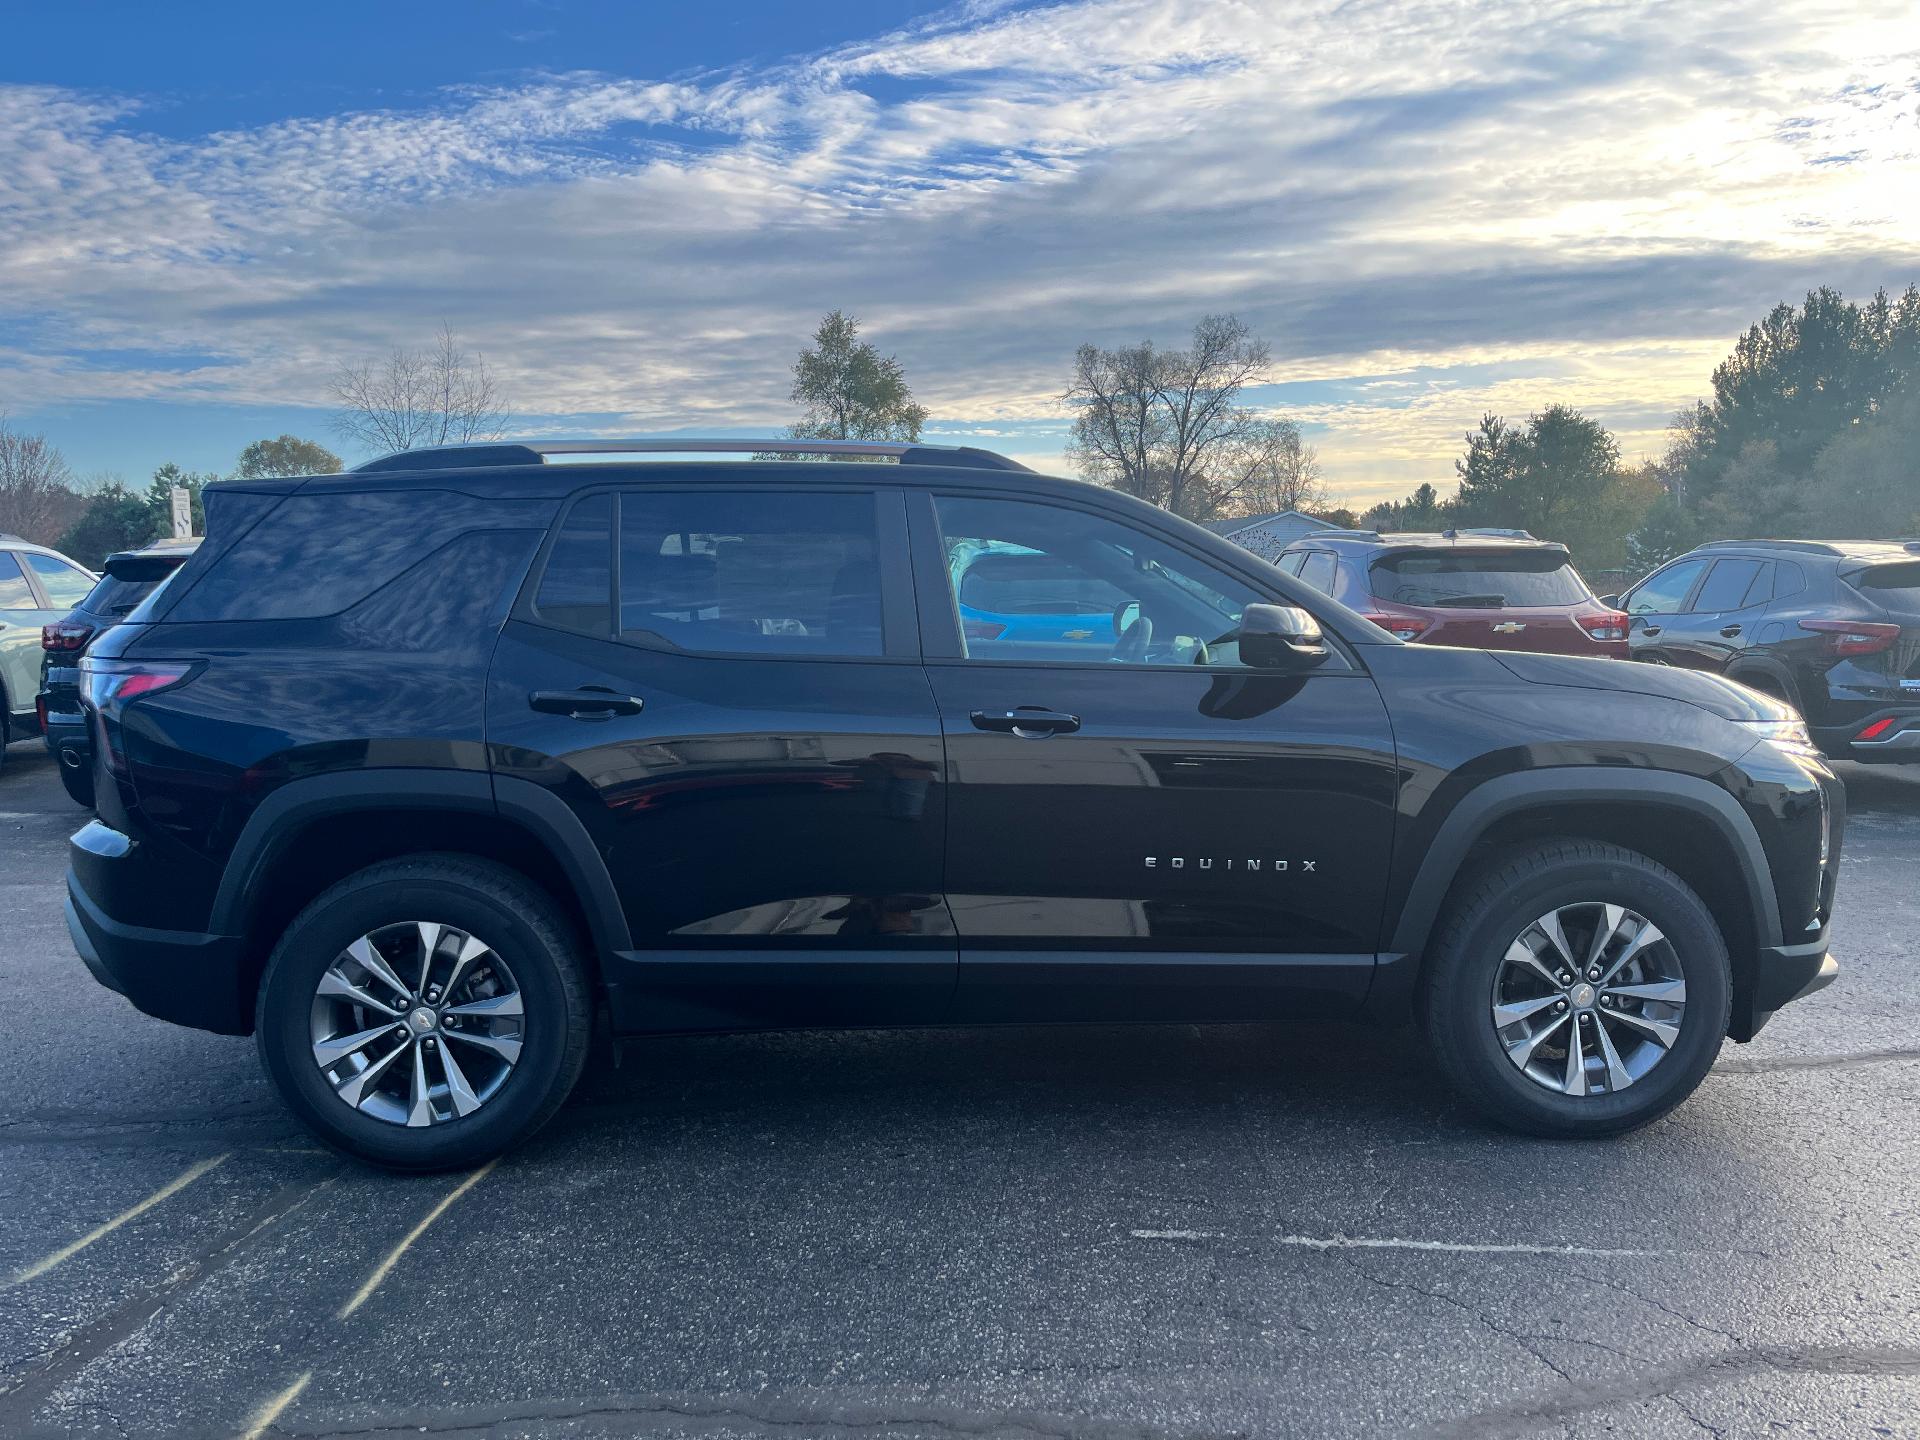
(188, 977)
(1780, 974)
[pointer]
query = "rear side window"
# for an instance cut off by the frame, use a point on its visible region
(1787, 579)
(66, 585)
(750, 573)
(115, 595)
(15, 593)
(1727, 586)
(1450, 577)
(1318, 571)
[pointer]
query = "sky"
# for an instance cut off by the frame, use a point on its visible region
(636, 213)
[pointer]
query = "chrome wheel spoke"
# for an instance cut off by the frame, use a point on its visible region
(1603, 933)
(465, 1102)
(1667, 992)
(335, 984)
(471, 949)
(420, 1108)
(430, 934)
(1521, 1051)
(1649, 934)
(354, 1088)
(329, 1053)
(1618, 1076)
(1664, 1032)
(370, 960)
(507, 1047)
(1549, 926)
(1518, 1010)
(1521, 954)
(493, 1005)
(1576, 1076)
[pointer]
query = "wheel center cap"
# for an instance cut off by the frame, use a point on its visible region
(1582, 995)
(421, 1020)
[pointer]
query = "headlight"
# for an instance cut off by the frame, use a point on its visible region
(1789, 735)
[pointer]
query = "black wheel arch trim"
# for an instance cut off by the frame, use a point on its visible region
(1495, 799)
(540, 812)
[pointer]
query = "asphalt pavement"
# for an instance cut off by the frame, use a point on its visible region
(1100, 1231)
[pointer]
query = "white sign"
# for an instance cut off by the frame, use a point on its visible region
(182, 512)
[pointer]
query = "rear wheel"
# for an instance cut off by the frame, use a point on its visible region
(426, 1013)
(1579, 990)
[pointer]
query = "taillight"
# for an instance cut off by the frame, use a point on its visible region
(1605, 625)
(111, 685)
(1402, 627)
(1853, 637)
(983, 630)
(65, 635)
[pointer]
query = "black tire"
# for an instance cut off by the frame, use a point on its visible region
(1501, 900)
(519, 921)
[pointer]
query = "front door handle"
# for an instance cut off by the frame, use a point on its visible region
(1729, 631)
(1649, 629)
(589, 702)
(1029, 722)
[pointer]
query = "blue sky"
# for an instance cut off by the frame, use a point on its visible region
(636, 212)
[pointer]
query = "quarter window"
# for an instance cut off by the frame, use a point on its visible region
(576, 589)
(66, 585)
(750, 573)
(1042, 582)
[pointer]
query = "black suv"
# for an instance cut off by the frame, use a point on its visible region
(1831, 627)
(128, 577)
(694, 746)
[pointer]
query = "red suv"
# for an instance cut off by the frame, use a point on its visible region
(1485, 589)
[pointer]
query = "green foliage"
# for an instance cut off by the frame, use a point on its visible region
(160, 499)
(288, 455)
(850, 391)
(1667, 529)
(1421, 510)
(1869, 478)
(115, 518)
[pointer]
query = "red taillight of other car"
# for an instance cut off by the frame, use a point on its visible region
(1603, 625)
(65, 635)
(1853, 637)
(1402, 627)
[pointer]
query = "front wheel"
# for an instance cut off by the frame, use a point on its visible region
(425, 1014)
(1578, 990)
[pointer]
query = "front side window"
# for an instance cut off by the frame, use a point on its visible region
(1451, 578)
(750, 573)
(1040, 582)
(66, 585)
(1318, 571)
(1664, 593)
(15, 593)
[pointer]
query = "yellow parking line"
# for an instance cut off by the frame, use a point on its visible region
(270, 1411)
(172, 1187)
(381, 1271)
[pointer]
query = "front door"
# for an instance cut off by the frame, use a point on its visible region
(1139, 826)
(724, 684)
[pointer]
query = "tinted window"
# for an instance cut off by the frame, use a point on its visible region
(1787, 579)
(1663, 593)
(1441, 578)
(115, 595)
(15, 593)
(576, 588)
(1144, 601)
(756, 574)
(1318, 571)
(66, 585)
(1727, 586)
(1894, 585)
(1292, 561)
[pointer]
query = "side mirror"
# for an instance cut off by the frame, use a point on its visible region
(1279, 637)
(1612, 602)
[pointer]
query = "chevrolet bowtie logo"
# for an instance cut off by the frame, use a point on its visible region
(1509, 627)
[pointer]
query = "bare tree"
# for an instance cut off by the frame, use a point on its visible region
(1277, 471)
(1162, 424)
(437, 396)
(36, 493)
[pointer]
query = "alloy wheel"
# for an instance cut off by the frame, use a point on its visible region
(417, 1024)
(1588, 998)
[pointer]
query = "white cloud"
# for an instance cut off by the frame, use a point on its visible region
(1594, 197)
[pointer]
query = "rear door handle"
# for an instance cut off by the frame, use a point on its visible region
(1729, 631)
(1029, 722)
(589, 702)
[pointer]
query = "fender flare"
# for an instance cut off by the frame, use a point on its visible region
(1773, 670)
(1505, 795)
(540, 812)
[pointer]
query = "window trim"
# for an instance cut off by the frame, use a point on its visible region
(940, 641)
(897, 608)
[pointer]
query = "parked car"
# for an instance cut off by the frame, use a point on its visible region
(1831, 627)
(37, 586)
(1488, 589)
(695, 747)
(128, 577)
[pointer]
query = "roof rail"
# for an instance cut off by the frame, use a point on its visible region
(1495, 531)
(1336, 533)
(535, 452)
(9, 535)
(1809, 547)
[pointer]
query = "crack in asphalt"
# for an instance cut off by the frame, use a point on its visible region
(1720, 1368)
(21, 1395)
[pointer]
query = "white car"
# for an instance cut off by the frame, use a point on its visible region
(38, 585)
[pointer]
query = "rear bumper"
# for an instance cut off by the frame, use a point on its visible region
(68, 739)
(1900, 744)
(184, 976)
(1780, 975)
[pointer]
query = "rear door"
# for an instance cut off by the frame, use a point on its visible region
(1152, 831)
(723, 683)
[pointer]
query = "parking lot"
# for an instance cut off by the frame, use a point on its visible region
(1099, 1231)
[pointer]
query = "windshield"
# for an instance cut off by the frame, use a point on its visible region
(1479, 581)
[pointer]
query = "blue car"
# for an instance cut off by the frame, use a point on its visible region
(1009, 596)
